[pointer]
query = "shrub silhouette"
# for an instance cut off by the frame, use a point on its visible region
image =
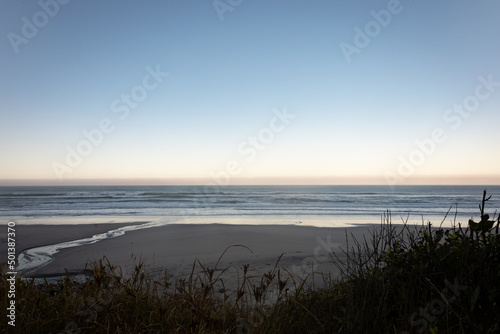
(402, 279)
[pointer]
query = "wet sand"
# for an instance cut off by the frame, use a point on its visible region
(174, 248)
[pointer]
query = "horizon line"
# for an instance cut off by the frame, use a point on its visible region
(262, 181)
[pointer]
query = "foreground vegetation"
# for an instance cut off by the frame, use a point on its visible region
(400, 280)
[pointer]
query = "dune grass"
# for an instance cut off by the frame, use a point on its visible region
(400, 279)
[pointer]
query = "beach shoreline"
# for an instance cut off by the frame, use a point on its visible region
(258, 219)
(174, 248)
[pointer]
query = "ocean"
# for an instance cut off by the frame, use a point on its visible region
(151, 206)
(311, 205)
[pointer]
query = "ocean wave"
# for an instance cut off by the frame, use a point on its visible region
(29, 195)
(229, 201)
(300, 200)
(178, 200)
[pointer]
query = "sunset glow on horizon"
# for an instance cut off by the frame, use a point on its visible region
(268, 92)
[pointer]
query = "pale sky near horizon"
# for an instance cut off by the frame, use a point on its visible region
(240, 91)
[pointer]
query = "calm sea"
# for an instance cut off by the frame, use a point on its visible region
(330, 206)
(315, 202)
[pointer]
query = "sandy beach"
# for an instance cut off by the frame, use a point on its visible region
(174, 248)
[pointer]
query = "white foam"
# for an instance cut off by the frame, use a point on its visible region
(35, 258)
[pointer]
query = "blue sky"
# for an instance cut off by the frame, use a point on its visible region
(233, 66)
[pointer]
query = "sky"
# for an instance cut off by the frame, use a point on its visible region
(249, 92)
